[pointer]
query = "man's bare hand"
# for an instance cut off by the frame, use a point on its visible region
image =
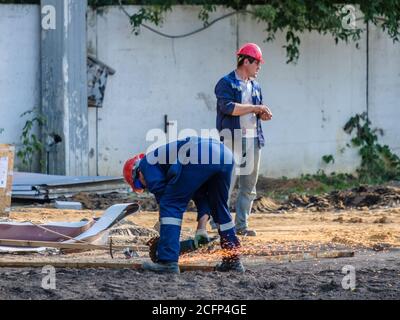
(262, 109)
(263, 112)
(265, 117)
(259, 109)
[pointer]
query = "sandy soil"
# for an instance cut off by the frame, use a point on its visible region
(374, 236)
(364, 228)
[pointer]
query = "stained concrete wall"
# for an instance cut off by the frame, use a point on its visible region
(311, 101)
(384, 87)
(19, 68)
(157, 76)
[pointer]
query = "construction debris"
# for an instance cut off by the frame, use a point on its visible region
(371, 197)
(68, 205)
(53, 232)
(95, 201)
(63, 245)
(374, 197)
(33, 186)
(95, 232)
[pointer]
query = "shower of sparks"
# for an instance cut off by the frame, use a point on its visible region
(276, 248)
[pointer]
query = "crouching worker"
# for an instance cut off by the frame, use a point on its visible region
(201, 236)
(176, 173)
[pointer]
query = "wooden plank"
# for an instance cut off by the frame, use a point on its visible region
(60, 245)
(130, 264)
(79, 264)
(6, 175)
(312, 255)
(308, 253)
(335, 254)
(67, 264)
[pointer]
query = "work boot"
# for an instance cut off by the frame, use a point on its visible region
(229, 264)
(161, 267)
(246, 232)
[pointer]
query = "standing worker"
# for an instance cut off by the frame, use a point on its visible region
(174, 181)
(240, 110)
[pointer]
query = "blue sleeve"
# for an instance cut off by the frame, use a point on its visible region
(225, 97)
(155, 179)
(261, 102)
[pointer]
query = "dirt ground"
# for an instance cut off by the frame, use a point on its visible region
(373, 234)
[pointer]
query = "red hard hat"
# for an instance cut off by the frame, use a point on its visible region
(130, 171)
(251, 50)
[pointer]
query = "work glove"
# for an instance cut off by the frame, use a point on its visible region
(201, 238)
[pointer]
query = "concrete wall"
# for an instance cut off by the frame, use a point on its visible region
(384, 87)
(19, 68)
(157, 76)
(311, 101)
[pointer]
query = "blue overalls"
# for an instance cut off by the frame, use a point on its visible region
(194, 168)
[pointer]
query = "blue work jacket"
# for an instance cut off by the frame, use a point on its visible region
(228, 92)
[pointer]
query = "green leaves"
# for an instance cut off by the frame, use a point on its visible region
(323, 16)
(152, 14)
(292, 16)
(265, 13)
(328, 159)
(204, 13)
(378, 163)
(292, 48)
(30, 142)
